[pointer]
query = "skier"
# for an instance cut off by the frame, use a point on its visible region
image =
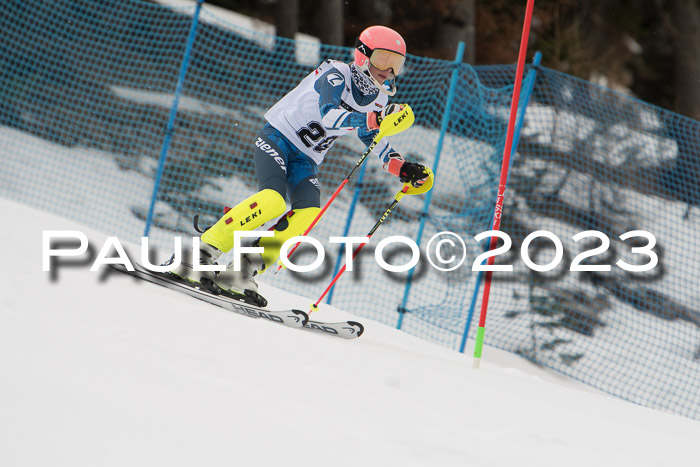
(335, 98)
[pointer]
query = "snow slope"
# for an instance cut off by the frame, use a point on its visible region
(106, 370)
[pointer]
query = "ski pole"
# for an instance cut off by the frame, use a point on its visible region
(393, 204)
(391, 125)
(406, 190)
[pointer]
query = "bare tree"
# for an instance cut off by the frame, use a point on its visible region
(685, 18)
(681, 19)
(329, 22)
(375, 12)
(287, 18)
(458, 25)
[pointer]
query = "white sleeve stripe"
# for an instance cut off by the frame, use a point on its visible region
(331, 119)
(381, 147)
(342, 117)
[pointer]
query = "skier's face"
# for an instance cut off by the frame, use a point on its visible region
(380, 75)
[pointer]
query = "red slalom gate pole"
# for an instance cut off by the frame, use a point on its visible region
(498, 211)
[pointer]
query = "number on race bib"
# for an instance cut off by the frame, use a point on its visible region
(312, 134)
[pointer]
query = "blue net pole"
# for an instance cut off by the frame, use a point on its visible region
(348, 222)
(426, 206)
(527, 92)
(173, 116)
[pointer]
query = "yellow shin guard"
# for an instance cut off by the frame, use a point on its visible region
(247, 215)
(291, 225)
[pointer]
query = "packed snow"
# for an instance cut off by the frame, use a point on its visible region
(101, 369)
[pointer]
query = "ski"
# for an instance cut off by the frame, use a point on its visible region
(291, 318)
(344, 329)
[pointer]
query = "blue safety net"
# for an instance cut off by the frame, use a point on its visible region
(98, 100)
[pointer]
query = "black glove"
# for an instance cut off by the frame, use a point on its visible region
(415, 174)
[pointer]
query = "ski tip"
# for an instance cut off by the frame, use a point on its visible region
(304, 315)
(360, 327)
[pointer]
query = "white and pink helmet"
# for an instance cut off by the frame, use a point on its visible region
(384, 48)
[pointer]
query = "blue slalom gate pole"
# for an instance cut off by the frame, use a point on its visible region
(426, 205)
(527, 92)
(173, 114)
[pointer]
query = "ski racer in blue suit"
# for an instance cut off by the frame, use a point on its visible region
(333, 100)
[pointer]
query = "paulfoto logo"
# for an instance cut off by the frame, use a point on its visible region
(448, 249)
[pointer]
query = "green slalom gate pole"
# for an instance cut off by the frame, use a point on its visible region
(498, 211)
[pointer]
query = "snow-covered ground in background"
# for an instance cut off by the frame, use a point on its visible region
(79, 183)
(260, 31)
(108, 371)
(165, 100)
(566, 129)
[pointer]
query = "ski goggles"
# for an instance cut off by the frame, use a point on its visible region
(382, 59)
